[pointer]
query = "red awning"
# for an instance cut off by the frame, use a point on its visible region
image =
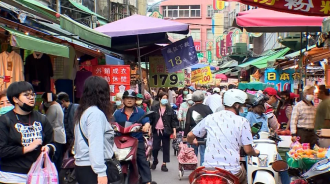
(263, 20)
(302, 7)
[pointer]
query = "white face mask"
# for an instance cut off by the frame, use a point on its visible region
(310, 97)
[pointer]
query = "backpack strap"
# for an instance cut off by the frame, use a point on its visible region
(82, 134)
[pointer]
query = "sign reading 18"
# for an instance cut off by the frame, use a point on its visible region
(163, 78)
(178, 61)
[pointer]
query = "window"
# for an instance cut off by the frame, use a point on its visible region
(196, 34)
(210, 10)
(183, 11)
(209, 34)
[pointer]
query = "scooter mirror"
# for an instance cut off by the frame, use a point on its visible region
(280, 166)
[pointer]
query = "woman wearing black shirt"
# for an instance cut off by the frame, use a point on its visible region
(24, 134)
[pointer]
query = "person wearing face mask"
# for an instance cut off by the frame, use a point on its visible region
(284, 110)
(302, 119)
(182, 113)
(119, 102)
(139, 103)
(271, 103)
(182, 97)
(24, 134)
(5, 105)
(55, 116)
(130, 112)
(204, 110)
(227, 132)
(164, 123)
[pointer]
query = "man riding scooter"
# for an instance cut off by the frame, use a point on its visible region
(226, 132)
(132, 113)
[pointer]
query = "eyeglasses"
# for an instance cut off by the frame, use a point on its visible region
(29, 95)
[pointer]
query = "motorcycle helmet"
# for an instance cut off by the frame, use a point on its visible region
(140, 96)
(233, 96)
(255, 100)
(129, 93)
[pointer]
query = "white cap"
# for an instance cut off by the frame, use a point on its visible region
(189, 97)
(216, 90)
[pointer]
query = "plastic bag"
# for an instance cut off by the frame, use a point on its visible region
(43, 171)
(296, 144)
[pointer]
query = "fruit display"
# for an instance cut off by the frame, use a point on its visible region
(297, 152)
(283, 132)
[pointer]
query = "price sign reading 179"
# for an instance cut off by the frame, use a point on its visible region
(159, 76)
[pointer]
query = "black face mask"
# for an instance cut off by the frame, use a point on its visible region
(27, 108)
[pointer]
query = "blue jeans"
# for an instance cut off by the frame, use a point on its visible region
(285, 178)
(202, 151)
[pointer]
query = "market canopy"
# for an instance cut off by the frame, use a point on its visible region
(19, 39)
(66, 22)
(302, 7)
(263, 20)
(149, 30)
(199, 65)
(261, 62)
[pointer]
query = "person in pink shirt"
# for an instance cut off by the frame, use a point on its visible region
(164, 122)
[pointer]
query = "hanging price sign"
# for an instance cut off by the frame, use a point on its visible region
(202, 75)
(159, 76)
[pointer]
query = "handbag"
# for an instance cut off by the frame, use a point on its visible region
(168, 131)
(114, 172)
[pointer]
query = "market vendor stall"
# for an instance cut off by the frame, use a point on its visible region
(253, 86)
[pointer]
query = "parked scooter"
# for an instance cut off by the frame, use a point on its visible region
(319, 173)
(127, 148)
(67, 174)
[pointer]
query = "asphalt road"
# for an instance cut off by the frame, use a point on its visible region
(170, 177)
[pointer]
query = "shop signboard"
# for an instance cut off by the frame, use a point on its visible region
(303, 7)
(197, 46)
(160, 77)
(117, 76)
(202, 75)
(200, 55)
(209, 56)
(283, 80)
(180, 55)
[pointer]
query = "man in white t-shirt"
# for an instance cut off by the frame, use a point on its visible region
(215, 101)
(226, 132)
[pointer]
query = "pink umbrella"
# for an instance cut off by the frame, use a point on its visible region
(264, 20)
(221, 76)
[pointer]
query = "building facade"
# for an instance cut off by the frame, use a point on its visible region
(198, 14)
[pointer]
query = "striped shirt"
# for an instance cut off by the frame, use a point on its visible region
(303, 116)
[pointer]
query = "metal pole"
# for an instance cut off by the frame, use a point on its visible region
(300, 66)
(95, 4)
(306, 62)
(58, 6)
(140, 68)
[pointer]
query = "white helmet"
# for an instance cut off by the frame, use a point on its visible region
(233, 96)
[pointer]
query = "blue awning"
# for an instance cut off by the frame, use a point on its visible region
(199, 65)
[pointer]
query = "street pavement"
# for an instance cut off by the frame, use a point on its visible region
(170, 177)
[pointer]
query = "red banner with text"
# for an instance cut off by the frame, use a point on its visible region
(303, 7)
(117, 76)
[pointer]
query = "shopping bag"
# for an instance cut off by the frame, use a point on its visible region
(36, 174)
(50, 170)
(43, 171)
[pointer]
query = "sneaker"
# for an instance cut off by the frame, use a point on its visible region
(164, 168)
(154, 165)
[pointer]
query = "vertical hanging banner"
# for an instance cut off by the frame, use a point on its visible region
(160, 77)
(218, 5)
(282, 80)
(180, 55)
(117, 76)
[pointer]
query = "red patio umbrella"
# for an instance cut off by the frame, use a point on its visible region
(302, 7)
(263, 20)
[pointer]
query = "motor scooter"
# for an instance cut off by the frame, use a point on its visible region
(127, 146)
(319, 173)
(210, 175)
(259, 169)
(67, 174)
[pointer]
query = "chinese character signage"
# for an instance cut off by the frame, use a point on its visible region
(180, 55)
(202, 75)
(197, 46)
(282, 80)
(303, 7)
(117, 76)
(160, 77)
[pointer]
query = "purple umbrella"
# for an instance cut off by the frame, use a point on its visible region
(144, 28)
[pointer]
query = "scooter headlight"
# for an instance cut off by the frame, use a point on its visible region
(121, 154)
(263, 160)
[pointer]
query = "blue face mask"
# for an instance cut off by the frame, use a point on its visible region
(243, 114)
(4, 110)
(164, 101)
(118, 103)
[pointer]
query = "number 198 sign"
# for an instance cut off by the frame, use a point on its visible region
(159, 76)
